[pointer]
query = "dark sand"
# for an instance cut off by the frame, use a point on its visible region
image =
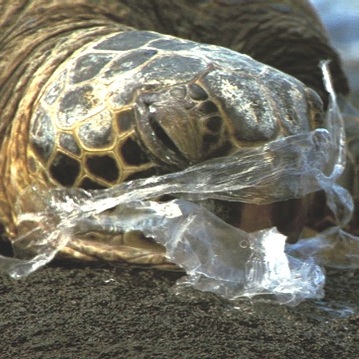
(75, 311)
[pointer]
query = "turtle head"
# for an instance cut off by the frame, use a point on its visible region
(221, 111)
(225, 110)
(181, 125)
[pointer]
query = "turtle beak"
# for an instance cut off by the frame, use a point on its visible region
(180, 126)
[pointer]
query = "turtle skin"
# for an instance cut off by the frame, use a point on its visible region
(94, 94)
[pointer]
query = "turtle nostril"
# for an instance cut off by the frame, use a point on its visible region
(161, 134)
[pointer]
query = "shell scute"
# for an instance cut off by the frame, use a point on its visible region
(75, 104)
(127, 41)
(103, 167)
(68, 143)
(172, 44)
(56, 89)
(88, 66)
(173, 68)
(42, 135)
(129, 61)
(97, 131)
(124, 120)
(132, 153)
(65, 169)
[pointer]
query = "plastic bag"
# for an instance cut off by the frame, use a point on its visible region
(216, 256)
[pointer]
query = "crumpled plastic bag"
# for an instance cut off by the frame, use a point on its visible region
(216, 256)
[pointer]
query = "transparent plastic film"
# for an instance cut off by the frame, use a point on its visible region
(334, 247)
(216, 256)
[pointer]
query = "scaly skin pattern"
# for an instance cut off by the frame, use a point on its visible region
(97, 93)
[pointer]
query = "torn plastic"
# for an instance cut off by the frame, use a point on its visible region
(217, 257)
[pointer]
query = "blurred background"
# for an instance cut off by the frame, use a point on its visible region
(341, 18)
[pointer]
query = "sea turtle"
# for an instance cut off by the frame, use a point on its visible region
(94, 93)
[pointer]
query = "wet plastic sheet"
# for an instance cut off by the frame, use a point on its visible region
(216, 256)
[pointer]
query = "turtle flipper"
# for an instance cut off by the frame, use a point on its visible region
(128, 248)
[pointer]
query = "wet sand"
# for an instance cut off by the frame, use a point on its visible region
(76, 311)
